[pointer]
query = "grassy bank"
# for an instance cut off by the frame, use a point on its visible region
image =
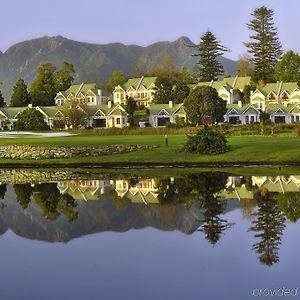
(243, 149)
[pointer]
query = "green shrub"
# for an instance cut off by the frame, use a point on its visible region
(206, 141)
(30, 119)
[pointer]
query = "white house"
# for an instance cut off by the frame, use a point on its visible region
(140, 89)
(162, 114)
(84, 93)
(242, 114)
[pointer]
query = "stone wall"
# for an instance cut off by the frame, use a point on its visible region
(22, 176)
(44, 152)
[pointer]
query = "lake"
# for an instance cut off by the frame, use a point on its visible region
(135, 234)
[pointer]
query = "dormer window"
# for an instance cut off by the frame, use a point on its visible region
(284, 96)
(272, 96)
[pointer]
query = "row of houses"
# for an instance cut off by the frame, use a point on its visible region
(97, 116)
(280, 100)
(146, 190)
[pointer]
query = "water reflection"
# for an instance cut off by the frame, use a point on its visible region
(67, 209)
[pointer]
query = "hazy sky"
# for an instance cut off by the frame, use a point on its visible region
(143, 22)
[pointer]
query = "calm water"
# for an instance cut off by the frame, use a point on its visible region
(92, 236)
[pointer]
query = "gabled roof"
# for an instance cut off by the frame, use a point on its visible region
(241, 82)
(278, 108)
(156, 108)
(136, 83)
(289, 87)
(92, 109)
(228, 83)
(49, 111)
(12, 112)
(295, 109)
(242, 110)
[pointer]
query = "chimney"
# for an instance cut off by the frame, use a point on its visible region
(170, 104)
(29, 105)
(109, 104)
(99, 92)
(240, 104)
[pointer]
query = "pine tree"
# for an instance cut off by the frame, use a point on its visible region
(264, 47)
(20, 95)
(209, 49)
(2, 102)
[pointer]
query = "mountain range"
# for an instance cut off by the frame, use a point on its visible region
(92, 62)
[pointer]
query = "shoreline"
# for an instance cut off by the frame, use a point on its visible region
(145, 165)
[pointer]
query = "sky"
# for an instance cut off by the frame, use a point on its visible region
(144, 22)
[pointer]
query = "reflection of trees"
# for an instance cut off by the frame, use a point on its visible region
(3, 190)
(23, 194)
(268, 225)
(208, 185)
(120, 202)
(52, 203)
(47, 196)
(201, 189)
(289, 204)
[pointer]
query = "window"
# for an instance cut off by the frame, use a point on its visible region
(272, 96)
(124, 121)
(118, 95)
(284, 96)
(118, 121)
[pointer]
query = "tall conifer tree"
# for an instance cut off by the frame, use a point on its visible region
(20, 95)
(264, 47)
(2, 102)
(209, 49)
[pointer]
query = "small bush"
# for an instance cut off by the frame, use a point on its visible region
(206, 141)
(296, 131)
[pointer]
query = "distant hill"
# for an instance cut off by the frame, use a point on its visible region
(93, 63)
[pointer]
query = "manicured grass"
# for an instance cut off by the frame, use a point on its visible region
(243, 149)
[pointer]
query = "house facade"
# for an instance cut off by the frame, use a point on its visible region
(162, 114)
(242, 114)
(141, 89)
(8, 116)
(279, 93)
(281, 100)
(97, 116)
(84, 93)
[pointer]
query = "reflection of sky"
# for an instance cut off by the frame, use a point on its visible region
(145, 264)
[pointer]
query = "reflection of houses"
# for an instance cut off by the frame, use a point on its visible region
(162, 114)
(85, 189)
(236, 189)
(84, 93)
(140, 89)
(278, 184)
(145, 191)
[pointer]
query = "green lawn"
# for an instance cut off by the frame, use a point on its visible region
(243, 149)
